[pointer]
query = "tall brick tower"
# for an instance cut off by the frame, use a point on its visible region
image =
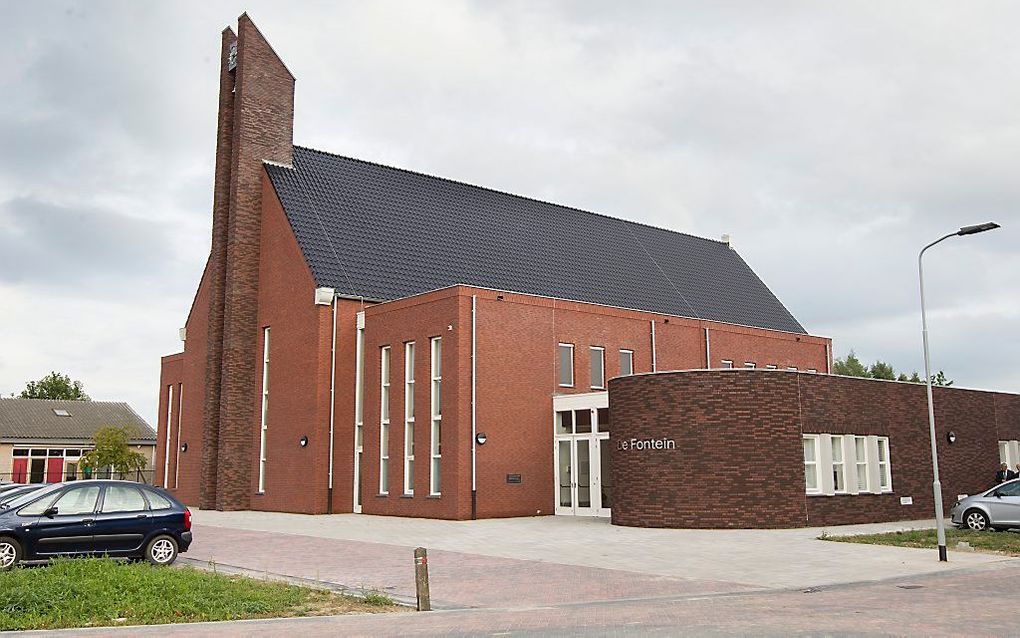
(256, 123)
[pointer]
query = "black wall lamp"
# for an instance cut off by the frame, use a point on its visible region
(303, 442)
(480, 438)
(951, 437)
(184, 447)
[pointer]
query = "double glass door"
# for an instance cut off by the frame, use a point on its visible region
(583, 484)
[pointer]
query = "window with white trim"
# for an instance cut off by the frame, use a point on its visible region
(791, 369)
(598, 367)
(771, 367)
(812, 370)
(384, 420)
(861, 462)
(169, 426)
(812, 476)
(749, 364)
(265, 409)
(409, 418)
(1009, 453)
(436, 450)
(884, 466)
(727, 364)
(566, 362)
(180, 423)
(838, 465)
(626, 363)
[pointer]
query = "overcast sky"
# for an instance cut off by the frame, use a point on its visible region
(831, 140)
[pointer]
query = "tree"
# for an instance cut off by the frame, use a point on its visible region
(881, 370)
(112, 450)
(851, 366)
(940, 379)
(55, 386)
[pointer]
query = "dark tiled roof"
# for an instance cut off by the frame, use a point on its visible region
(385, 233)
(35, 419)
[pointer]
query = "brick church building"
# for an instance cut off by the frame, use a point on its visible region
(370, 339)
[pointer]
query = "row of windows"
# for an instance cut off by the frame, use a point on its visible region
(1009, 453)
(597, 359)
(435, 417)
(37, 452)
(727, 364)
(846, 464)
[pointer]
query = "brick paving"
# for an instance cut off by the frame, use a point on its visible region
(457, 579)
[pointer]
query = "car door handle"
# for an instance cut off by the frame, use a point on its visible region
(142, 516)
(88, 521)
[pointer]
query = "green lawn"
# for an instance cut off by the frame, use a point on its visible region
(100, 592)
(992, 542)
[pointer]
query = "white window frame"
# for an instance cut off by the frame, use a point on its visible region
(727, 364)
(791, 369)
(435, 438)
(359, 410)
(884, 469)
(559, 365)
(816, 464)
(838, 467)
(812, 371)
(750, 365)
(600, 352)
(859, 464)
(169, 426)
(409, 418)
(627, 355)
(771, 367)
(384, 420)
(264, 429)
(177, 448)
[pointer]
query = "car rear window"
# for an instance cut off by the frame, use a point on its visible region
(122, 498)
(157, 501)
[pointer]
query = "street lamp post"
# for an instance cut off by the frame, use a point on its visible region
(940, 523)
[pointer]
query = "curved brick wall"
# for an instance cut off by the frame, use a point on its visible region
(737, 457)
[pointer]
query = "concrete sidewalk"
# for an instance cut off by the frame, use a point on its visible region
(741, 559)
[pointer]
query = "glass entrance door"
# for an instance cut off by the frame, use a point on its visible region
(581, 457)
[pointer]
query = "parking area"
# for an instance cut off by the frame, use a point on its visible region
(550, 560)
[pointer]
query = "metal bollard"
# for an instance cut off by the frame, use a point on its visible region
(421, 578)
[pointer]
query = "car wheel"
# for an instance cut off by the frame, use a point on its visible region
(161, 550)
(977, 520)
(10, 553)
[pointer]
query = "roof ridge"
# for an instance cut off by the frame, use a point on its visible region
(92, 401)
(495, 190)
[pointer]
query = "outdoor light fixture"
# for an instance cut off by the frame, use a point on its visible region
(184, 447)
(481, 438)
(951, 437)
(940, 522)
(303, 442)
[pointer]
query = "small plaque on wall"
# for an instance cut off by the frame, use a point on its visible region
(513, 478)
(906, 500)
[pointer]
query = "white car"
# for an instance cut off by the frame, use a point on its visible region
(996, 509)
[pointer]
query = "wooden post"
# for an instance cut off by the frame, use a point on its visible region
(421, 578)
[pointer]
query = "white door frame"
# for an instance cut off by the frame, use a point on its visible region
(592, 401)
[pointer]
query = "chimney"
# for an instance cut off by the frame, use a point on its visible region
(256, 123)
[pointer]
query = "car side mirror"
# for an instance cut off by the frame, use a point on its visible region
(50, 512)
(998, 494)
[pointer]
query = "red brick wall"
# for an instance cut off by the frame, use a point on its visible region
(171, 375)
(738, 460)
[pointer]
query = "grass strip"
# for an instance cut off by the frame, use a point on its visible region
(1007, 543)
(102, 592)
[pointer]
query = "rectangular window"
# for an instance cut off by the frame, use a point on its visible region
(838, 465)
(812, 370)
(566, 365)
(177, 446)
(359, 413)
(884, 470)
(436, 450)
(812, 478)
(861, 458)
(1004, 452)
(726, 364)
(770, 367)
(384, 421)
(265, 410)
(792, 369)
(169, 426)
(598, 368)
(409, 418)
(749, 364)
(626, 363)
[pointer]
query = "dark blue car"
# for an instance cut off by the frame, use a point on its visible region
(112, 518)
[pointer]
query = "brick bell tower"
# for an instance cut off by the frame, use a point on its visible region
(256, 123)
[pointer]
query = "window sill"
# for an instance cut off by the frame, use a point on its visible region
(407, 496)
(434, 496)
(261, 493)
(382, 495)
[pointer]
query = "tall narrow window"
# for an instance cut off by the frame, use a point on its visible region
(626, 363)
(566, 365)
(838, 465)
(384, 424)
(770, 367)
(749, 364)
(177, 447)
(436, 450)
(359, 414)
(409, 418)
(811, 476)
(884, 473)
(726, 364)
(598, 368)
(861, 457)
(169, 426)
(265, 410)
